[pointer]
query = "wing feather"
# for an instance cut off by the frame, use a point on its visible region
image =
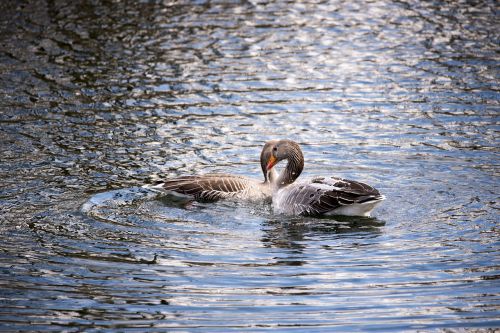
(322, 195)
(210, 187)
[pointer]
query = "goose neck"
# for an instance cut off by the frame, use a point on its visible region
(290, 173)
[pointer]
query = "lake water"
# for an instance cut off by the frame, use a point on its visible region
(100, 98)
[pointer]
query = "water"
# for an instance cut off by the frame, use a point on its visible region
(101, 98)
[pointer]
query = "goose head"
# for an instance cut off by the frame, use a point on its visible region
(278, 150)
(270, 174)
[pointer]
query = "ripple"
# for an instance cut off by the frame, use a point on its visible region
(100, 99)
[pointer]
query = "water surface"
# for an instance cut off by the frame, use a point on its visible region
(100, 97)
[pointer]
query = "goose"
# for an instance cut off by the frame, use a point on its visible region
(213, 187)
(319, 195)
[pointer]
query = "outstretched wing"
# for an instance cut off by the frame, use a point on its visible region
(322, 195)
(210, 187)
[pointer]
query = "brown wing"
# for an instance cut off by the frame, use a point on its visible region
(323, 194)
(210, 187)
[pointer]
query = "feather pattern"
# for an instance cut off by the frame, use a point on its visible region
(320, 195)
(324, 195)
(213, 187)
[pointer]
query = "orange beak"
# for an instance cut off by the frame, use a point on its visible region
(271, 162)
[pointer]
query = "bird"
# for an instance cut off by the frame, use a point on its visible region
(215, 186)
(319, 195)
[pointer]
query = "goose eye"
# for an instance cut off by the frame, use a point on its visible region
(275, 148)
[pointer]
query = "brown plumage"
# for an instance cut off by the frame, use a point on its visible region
(213, 187)
(209, 187)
